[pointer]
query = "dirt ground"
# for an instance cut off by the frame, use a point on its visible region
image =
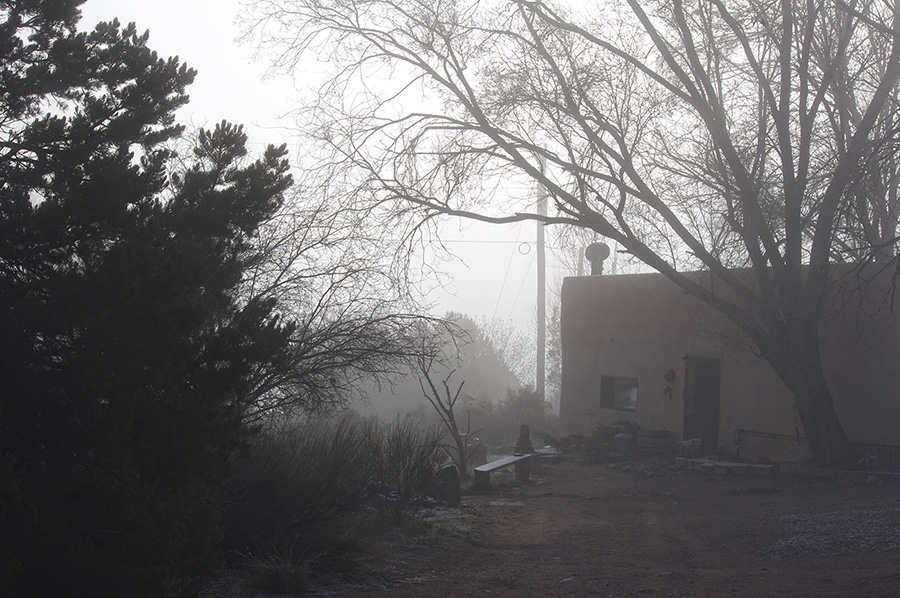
(646, 528)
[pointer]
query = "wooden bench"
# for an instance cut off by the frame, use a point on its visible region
(483, 472)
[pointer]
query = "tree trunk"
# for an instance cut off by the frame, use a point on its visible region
(805, 377)
(827, 441)
(462, 460)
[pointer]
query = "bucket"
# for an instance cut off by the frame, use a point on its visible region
(654, 442)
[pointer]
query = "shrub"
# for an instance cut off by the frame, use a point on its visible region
(289, 490)
(402, 461)
(279, 572)
(498, 424)
(301, 497)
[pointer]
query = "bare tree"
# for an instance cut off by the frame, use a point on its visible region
(354, 309)
(754, 140)
(444, 398)
(356, 320)
(475, 349)
(504, 346)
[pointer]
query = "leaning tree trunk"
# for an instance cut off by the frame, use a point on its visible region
(815, 404)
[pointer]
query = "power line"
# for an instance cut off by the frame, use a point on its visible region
(505, 274)
(521, 286)
(483, 241)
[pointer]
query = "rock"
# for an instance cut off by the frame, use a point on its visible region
(447, 486)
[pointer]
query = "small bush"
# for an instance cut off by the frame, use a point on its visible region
(297, 491)
(402, 461)
(498, 423)
(279, 572)
(301, 497)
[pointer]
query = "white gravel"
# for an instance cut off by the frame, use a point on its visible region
(839, 533)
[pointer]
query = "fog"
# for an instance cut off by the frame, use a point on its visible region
(493, 274)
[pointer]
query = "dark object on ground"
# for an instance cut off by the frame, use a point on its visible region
(446, 485)
(523, 444)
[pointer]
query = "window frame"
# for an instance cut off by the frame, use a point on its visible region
(611, 392)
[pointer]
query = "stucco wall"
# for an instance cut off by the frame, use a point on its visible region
(640, 326)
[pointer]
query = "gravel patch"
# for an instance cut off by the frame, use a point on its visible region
(841, 533)
(235, 584)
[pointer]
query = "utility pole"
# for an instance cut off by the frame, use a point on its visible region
(541, 292)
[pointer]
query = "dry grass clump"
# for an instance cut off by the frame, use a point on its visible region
(317, 496)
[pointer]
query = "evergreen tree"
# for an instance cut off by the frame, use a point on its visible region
(126, 355)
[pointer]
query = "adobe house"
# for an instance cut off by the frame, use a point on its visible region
(636, 347)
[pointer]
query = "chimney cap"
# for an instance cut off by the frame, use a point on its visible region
(596, 252)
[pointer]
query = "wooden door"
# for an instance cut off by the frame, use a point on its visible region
(701, 401)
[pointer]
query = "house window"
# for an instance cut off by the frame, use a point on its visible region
(618, 393)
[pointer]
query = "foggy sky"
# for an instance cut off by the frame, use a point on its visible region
(495, 275)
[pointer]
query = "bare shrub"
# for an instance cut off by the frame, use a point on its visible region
(402, 460)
